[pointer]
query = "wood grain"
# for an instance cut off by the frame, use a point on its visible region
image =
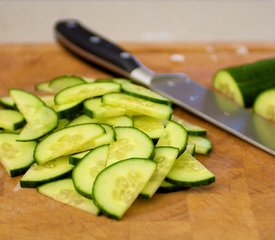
(240, 205)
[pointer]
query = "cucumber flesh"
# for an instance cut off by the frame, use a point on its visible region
(189, 172)
(138, 105)
(153, 127)
(50, 171)
(165, 158)
(63, 191)
(84, 91)
(174, 135)
(11, 119)
(142, 92)
(202, 144)
(67, 141)
(94, 108)
(130, 142)
(40, 118)
(265, 104)
(191, 129)
(117, 186)
(7, 102)
(76, 158)
(16, 157)
(88, 168)
(65, 81)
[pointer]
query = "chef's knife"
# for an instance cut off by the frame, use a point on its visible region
(178, 87)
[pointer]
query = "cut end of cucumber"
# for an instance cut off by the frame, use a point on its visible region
(265, 104)
(226, 84)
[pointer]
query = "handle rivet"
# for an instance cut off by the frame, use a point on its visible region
(94, 39)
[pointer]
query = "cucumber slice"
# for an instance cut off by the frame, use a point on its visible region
(174, 135)
(65, 81)
(265, 104)
(138, 105)
(191, 129)
(121, 121)
(7, 102)
(88, 168)
(189, 172)
(11, 119)
(63, 191)
(94, 108)
(167, 187)
(202, 144)
(243, 83)
(68, 110)
(82, 119)
(40, 174)
(117, 186)
(16, 157)
(142, 92)
(165, 158)
(67, 141)
(153, 127)
(48, 100)
(83, 91)
(76, 158)
(40, 118)
(190, 148)
(44, 87)
(130, 142)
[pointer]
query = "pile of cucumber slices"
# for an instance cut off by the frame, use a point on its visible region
(98, 144)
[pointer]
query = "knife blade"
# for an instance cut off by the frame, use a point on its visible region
(178, 87)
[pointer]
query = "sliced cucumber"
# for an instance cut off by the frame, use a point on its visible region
(68, 110)
(82, 119)
(67, 141)
(265, 104)
(40, 118)
(107, 138)
(63, 191)
(142, 92)
(94, 108)
(190, 148)
(121, 121)
(11, 119)
(243, 83)
(16, 157)
(65, 81)
(130, 142)
(44, 87)
(50, 171)
(138, 105)
(117, 186)
(202, 144)
(76, 158)
(167, 187)
(165, 158)
(48, 100)
(191, 129)
(7, 102)
(153, 127)
(88, 168)
(83, 91)
(189, 172)
(174, 135)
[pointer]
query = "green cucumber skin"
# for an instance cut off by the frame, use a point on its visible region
(71, 113)
(253, 78)
(174, 188)
(19, 171)
(147, 98)
(192, 184)
(35, 184)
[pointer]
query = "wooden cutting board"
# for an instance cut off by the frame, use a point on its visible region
(239, 205)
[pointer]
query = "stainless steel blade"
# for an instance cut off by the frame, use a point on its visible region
(216, 109)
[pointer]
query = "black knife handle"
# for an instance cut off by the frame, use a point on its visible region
(95, 48)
